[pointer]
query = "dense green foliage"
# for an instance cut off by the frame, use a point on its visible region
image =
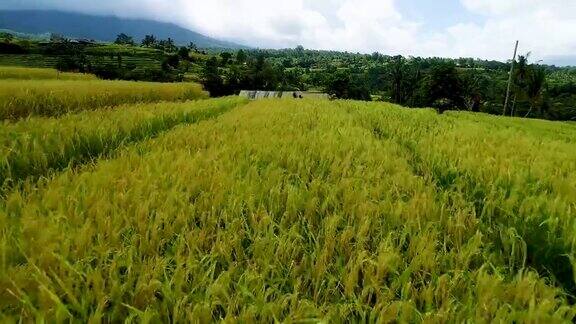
(24, 98)
(461, 84)
(302, 210)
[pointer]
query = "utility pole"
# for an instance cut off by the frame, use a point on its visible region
(510, 80)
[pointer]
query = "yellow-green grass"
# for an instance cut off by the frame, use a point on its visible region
(20, 99)
(304, 211)
(36, 146)
(26, 73)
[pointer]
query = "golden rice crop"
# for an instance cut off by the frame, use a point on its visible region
(304, 211)
(20, 99)
(27, 73)
(34, 146)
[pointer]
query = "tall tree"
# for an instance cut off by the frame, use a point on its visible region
(149, 41)
(123, 39)
(241, 57)
(519, 80)
(521, 73)
(264, 76)
(212, 80)
(167, 45)
(171, 62)
(171, 45)
(475, 86)
(237, 78)
(6, 37)
(535, 82)
(444, 89)
(344, 85)
(226, 57)
(396, 72)
(184, 53)
(404, 78)
(300, 50)
(337, 85)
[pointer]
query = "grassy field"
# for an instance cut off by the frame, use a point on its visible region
(24, 98)
(297, 211)
(23, 73)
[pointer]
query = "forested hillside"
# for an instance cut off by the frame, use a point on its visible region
(100, 28)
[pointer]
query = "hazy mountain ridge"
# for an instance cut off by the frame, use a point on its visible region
(561, 60)
(101, 28)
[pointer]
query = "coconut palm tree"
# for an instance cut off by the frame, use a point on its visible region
(520, 76)
(535, 83)
(397, 75)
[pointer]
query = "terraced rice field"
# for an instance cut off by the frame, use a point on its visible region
(37, 146)
(25, 98)
(298, 211)
(46, 61)
(23, 73)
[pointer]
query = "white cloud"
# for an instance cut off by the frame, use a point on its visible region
(545, 27)
(355, 25)
(366, 25)
(499, 7)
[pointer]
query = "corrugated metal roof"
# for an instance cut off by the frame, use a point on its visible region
(257, 94)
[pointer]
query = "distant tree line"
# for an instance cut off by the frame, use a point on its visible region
(539, 91)
(445, 84)
(7, 46)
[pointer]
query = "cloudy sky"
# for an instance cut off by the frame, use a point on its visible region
(454, 28)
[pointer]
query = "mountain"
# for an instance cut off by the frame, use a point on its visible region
(561, 60)
(101, 28)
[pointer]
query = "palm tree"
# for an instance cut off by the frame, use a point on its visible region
(7, 37)
(534, 86)
(522, 68)
(149, 41)
(520, 78)
(397, 69)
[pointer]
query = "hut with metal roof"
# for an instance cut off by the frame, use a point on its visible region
(257, 94)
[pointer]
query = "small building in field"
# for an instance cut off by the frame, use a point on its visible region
(257, 94)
